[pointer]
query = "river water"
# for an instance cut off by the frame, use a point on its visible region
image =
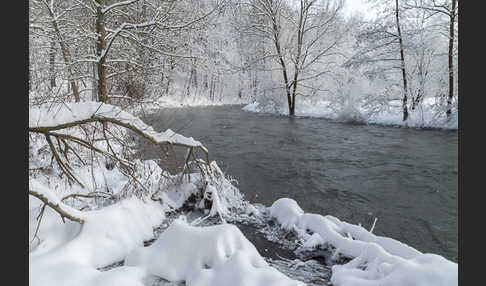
(406, 178)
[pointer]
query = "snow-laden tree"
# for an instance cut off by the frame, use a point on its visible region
(114, 48)
(407, 66)
(301, 39)
(51, 28)
(447, 27)
(382, 43)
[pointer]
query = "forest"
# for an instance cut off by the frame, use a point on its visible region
(293, 129)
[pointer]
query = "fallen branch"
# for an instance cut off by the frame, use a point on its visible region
(47, 197)
(43, 121)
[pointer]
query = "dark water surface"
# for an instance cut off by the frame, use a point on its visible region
(405, 177)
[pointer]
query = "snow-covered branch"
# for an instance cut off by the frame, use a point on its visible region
(48, 197)
(43, 120)
(118, 4)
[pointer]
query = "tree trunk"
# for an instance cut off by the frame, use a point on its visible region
(451, 58)
(284, 67)
(211, 90)
(52, 59)
(189, 82)
(30, 77)
(94, 83)
(300, 36)
(402, 59)
(100, 52)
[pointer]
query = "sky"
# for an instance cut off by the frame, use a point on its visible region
(353, 6)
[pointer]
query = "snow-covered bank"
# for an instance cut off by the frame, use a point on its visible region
(213, 255)
(424, 116)
(120, 227)
(171, 102)
(177, 102)
(70, 254)
(375, 260)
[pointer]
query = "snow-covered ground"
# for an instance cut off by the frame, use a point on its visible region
(173, 102)
(376, 260)
(69, 254)
(425, 116)
(127, 238)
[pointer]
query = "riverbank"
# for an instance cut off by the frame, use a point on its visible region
(141, 236)
(355, 172)
(191, 101)
(426, 115)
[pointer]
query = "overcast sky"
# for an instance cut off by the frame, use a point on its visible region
(352, 6)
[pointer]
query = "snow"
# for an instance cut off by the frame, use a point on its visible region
(213, 255)
(425, 269)
(375, 260)
(178, 102)
(287, 212)
(51, 198)
(176, 190)
(425, 116)
(252, 210)
(72, 254)
(63, 114)
(106, 236)
(313, 241)
(176, 194)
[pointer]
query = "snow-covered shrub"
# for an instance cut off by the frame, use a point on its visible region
(82, 152)
(209, 190)
(347, 100)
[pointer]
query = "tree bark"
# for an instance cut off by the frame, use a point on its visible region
(451, 58)
(30, 77)
(402, 60)
(100, 51)
(282, 63)
(300, 35)
(60, 208)
(52, 58)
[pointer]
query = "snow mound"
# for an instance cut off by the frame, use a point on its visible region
(423, 270)
(287, 212)
(106, 237)
(376, 260)
(214, 255)
(251, 107)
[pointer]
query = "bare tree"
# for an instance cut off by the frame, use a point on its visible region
(56, 13)
(449, 9)
(112, 24)
(298, 35)
(382, 46)
(402, 61)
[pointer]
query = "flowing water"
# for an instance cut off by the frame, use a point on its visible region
(406, 178)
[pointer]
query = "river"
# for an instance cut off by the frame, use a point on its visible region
(406, 178)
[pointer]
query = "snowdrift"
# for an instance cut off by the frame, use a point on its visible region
(375, 260)
(72, 254)
(214, 256)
